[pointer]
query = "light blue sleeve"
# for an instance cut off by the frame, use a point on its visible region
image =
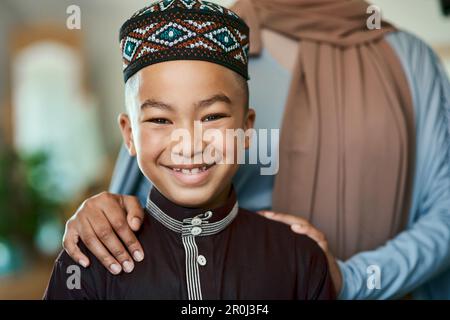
(421, 253)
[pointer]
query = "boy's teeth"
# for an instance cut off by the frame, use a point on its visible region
(191, 171)
(195, 170)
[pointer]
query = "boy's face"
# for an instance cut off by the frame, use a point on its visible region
(172, 96)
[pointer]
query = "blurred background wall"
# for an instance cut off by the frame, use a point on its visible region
(60, 93)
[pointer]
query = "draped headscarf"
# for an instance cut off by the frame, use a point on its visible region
(347, 137)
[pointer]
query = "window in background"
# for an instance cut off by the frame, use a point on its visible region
(52, 113)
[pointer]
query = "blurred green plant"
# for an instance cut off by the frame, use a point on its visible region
(26, 191)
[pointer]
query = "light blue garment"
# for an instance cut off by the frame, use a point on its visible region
(418, 259)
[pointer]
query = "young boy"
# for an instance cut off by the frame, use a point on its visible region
(185, 62)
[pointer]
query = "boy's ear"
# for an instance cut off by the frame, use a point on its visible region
(249, 124)
(127, 133)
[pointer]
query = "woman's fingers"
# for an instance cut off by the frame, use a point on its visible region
(101, 223)
(313, 233)
(70, 245)
(109, 239)
(135, 213)
(115, 212)
(298, 225)
(94, 245)
(288, 219)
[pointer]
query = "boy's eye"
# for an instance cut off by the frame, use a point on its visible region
(159, 121)
(213, 117)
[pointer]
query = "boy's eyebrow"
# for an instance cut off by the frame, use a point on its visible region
(151, 103)
(220, 97)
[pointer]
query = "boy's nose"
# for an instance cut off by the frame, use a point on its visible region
(188, 150)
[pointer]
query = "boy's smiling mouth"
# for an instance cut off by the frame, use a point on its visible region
(190, 174)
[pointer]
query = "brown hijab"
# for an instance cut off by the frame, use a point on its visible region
(347, 138)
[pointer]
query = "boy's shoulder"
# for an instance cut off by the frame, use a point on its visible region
(278, 231)
(71, 281)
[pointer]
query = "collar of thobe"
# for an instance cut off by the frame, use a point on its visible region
(191, 221)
